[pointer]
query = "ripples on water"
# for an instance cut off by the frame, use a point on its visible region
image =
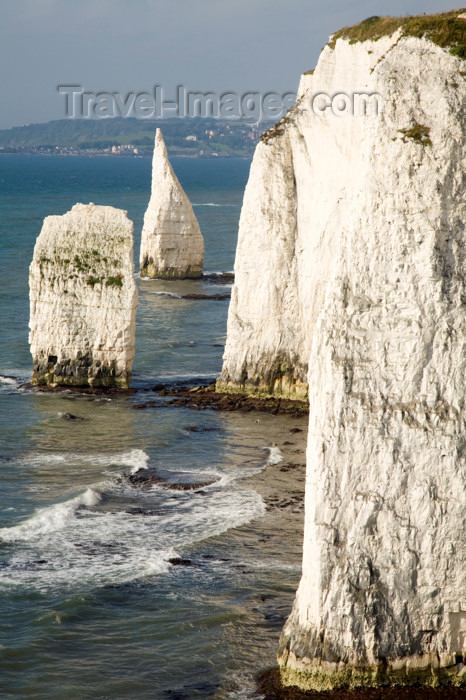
(109, 589)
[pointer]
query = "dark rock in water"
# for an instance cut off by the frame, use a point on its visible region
(199, 398)
(143, 511)
(270, 687)
(296, 430)
(88, 390)
(200, 429)
(295, 501)
(70, 416)
(178, 561)
(198, 689)
(289, 467)
(221, 278)
(215, 297)
(148, 404)
(185, 481)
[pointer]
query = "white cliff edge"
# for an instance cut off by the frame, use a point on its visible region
(172, 246)
(351, 255)
(83, 299)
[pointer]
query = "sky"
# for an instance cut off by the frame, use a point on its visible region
(131, 45)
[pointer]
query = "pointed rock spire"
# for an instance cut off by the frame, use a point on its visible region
(172, 246)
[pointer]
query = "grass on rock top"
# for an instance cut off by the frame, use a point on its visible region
(445, 30)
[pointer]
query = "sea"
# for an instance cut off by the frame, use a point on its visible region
(111, 589)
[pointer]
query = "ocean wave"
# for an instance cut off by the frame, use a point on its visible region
(111, 533)
(213, 204)
(49, 519)
(81, 544)
(132, 459)
(167, 294)
(13, 380)
(8, 380)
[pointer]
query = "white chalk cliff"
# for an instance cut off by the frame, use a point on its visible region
(351, 262)
(172, 246)
(83, 299)
(266, 348)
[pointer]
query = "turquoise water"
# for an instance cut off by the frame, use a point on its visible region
(90, 604)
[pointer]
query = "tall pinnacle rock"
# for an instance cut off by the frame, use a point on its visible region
(172, 246)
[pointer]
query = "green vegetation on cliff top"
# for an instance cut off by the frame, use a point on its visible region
(445, 30)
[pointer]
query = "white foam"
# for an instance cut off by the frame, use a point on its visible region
(275, 456)
(138, 459)
(167, 294)
(213, 204)
(8, 380)
(49, 519)
(14, 380)
(67, 546)
(133, 459)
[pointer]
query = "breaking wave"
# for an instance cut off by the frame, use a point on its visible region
(133, 459)
(213, 204)
(167, 294)
(112, 533)
(275, 456)
(49, 519)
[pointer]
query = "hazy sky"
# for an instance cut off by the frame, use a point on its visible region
(132, 45)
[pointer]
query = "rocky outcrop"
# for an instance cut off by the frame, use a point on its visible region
(352, 254)
(172, 246)
(83, 299)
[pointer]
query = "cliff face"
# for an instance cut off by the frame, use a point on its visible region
(83, 299)
(266, 345)
(352, 255)
(172, 246)
(306, 179)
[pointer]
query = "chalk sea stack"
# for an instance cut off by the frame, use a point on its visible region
(267, 347)
(172, 246)
(83, 299)
(351, 278)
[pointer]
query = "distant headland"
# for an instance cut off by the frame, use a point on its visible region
(124, 136)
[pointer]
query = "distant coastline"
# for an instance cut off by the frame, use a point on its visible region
(105, 154)
(129, 137)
